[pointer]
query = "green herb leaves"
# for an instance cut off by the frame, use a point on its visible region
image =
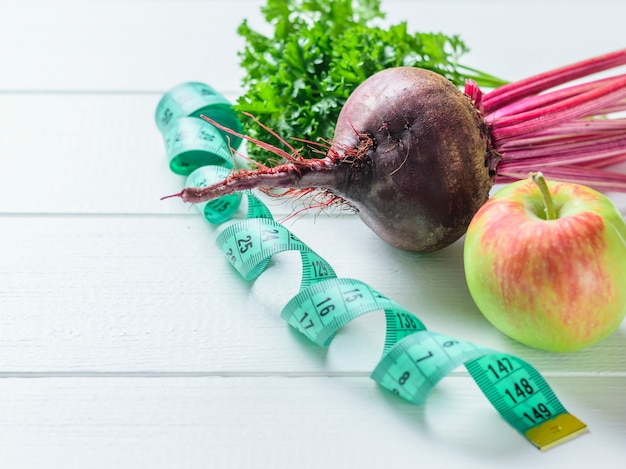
(298, 79)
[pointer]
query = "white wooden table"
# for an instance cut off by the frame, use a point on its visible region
(126, 341)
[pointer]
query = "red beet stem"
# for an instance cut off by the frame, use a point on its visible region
(564, 132)
(568, 148)
(581, 105)
(507, 94)
(577, 127)
(598, 178)
(535, 102)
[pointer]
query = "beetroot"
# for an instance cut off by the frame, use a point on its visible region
(416, 157)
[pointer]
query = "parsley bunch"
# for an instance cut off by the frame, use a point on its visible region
(297, 80)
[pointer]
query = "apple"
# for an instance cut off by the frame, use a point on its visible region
(545, 263)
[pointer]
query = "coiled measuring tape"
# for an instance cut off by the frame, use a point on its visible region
(414, 359)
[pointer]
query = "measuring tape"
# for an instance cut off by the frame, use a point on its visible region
(414, 359)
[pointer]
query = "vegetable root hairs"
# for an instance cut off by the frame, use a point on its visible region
(285, 175)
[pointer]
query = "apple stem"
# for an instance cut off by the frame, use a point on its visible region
(537, 178)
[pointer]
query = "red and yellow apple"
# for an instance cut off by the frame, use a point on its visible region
(545, 262)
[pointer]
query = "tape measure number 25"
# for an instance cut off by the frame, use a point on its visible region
(414, 359)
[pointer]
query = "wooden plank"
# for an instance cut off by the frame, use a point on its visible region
(91, 153)
(113, 45)
(86, 153)
(517, 39)
(151, 46)
(124, 293)
(283, 422)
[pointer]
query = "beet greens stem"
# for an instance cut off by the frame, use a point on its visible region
(516, 91)
(597, 178)
(535, 102)
(570, 148)
(562, 132)
(585, 104)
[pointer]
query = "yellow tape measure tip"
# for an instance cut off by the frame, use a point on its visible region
(556, 431)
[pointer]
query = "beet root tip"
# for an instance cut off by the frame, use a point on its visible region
(195, 195)
(191, 195)
(171, 196)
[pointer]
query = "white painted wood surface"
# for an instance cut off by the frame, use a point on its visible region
(126, 340)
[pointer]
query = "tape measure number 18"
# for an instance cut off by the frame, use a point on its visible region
(414, 359)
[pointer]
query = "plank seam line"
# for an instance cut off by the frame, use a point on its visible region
(259, 374)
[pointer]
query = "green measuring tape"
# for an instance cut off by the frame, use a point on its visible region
(414, 359)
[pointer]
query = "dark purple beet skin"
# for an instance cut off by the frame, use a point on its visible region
(423, 161)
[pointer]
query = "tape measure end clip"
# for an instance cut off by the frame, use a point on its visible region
(556, 431)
